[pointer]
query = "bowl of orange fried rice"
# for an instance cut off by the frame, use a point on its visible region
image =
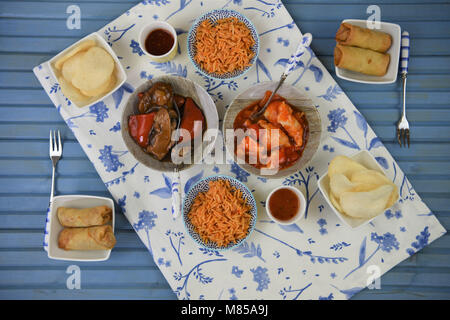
(223, 44)
(219, 212)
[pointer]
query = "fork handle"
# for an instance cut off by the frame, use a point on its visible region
(404, 58)
(404, 61)
(53, 186)
(305, 41)
(49, 209)
(404, 94)
(176, 194)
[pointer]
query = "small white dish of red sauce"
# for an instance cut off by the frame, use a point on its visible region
(286, 205)
(158, 40)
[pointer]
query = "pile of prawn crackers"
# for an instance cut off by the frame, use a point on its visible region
(357, 191)
(85, 73)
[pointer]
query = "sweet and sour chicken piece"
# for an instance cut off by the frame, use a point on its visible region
(279, 112)
(249, 147)
(266, 136)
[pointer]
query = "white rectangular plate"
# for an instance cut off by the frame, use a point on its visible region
(80, 202)
(394, 51)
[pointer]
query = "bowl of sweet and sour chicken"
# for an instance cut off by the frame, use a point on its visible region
(279, 142)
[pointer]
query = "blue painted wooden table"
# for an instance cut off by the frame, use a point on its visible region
(33, 31)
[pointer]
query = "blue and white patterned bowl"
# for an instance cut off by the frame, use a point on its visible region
(213, 16)
(203, 186)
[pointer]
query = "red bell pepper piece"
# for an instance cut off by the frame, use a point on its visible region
(191, 114)
(140, 126)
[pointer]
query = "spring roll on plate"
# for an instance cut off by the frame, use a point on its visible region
(361, 60)
(350, 35)
(92, 238)
(88, 217)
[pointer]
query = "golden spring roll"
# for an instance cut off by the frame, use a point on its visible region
(92, 238)
(88, 217)
(361, 60)
(350, 35)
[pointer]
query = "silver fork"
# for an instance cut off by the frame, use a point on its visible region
(55, 155)
(403, 125)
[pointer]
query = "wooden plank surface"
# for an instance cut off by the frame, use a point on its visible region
(27, 115)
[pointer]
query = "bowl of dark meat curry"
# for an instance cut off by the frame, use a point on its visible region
(279, 142)
(154, 113)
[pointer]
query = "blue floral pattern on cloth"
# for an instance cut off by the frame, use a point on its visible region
(236, 271)
(110, 159)
(316, 258)
(421, 241)
(146, 222)
(332, 93)
(261, 277)
(136, 48)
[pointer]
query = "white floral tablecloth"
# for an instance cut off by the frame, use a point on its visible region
(317, 258)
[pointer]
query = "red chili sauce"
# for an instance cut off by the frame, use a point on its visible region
(159, 42)
(284, 204)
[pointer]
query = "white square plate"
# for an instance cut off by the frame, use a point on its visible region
(366, 159)
(80, 202)
(120, 71)
(394, 51)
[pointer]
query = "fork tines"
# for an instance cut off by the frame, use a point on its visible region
(403, 137)
(55, 145)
